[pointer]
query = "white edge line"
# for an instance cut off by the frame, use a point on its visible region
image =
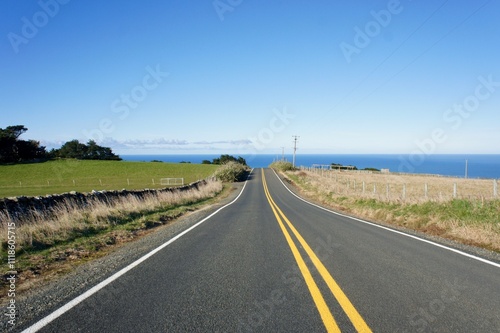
(46, 320)
(393, 230)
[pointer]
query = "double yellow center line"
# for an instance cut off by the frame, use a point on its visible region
(323, 309)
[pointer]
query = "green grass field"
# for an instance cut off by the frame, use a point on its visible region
(84, 176)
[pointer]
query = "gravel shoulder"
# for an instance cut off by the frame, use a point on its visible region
(41, 300)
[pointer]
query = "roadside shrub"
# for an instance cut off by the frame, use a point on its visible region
(232, 172)
(282, 166)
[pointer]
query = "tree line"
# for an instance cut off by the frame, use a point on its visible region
(15, 150)
(223, 159)
(81, 151)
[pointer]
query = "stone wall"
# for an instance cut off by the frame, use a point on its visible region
(19, 208)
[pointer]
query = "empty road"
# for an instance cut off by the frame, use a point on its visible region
(270, 262)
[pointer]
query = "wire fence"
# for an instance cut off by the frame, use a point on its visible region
(400, 187)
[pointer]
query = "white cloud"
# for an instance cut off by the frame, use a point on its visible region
(161, 145)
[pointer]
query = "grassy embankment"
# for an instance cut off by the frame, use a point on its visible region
(423, 203)
(50, 242)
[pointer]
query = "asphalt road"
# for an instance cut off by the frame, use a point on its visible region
(270, 262)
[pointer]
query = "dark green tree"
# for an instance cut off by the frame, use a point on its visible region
(13, 149)
(225, 158)
(89, 151)
(72, 149)
(30, 150)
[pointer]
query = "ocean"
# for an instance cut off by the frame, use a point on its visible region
(476, 166)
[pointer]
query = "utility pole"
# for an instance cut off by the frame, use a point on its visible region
(282, 153)
(295, 138)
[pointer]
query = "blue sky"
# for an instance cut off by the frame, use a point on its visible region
(240, 76)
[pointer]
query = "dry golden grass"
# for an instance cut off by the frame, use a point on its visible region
(410, 188)
(472, 216)
(69, 221)
(50, 244)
